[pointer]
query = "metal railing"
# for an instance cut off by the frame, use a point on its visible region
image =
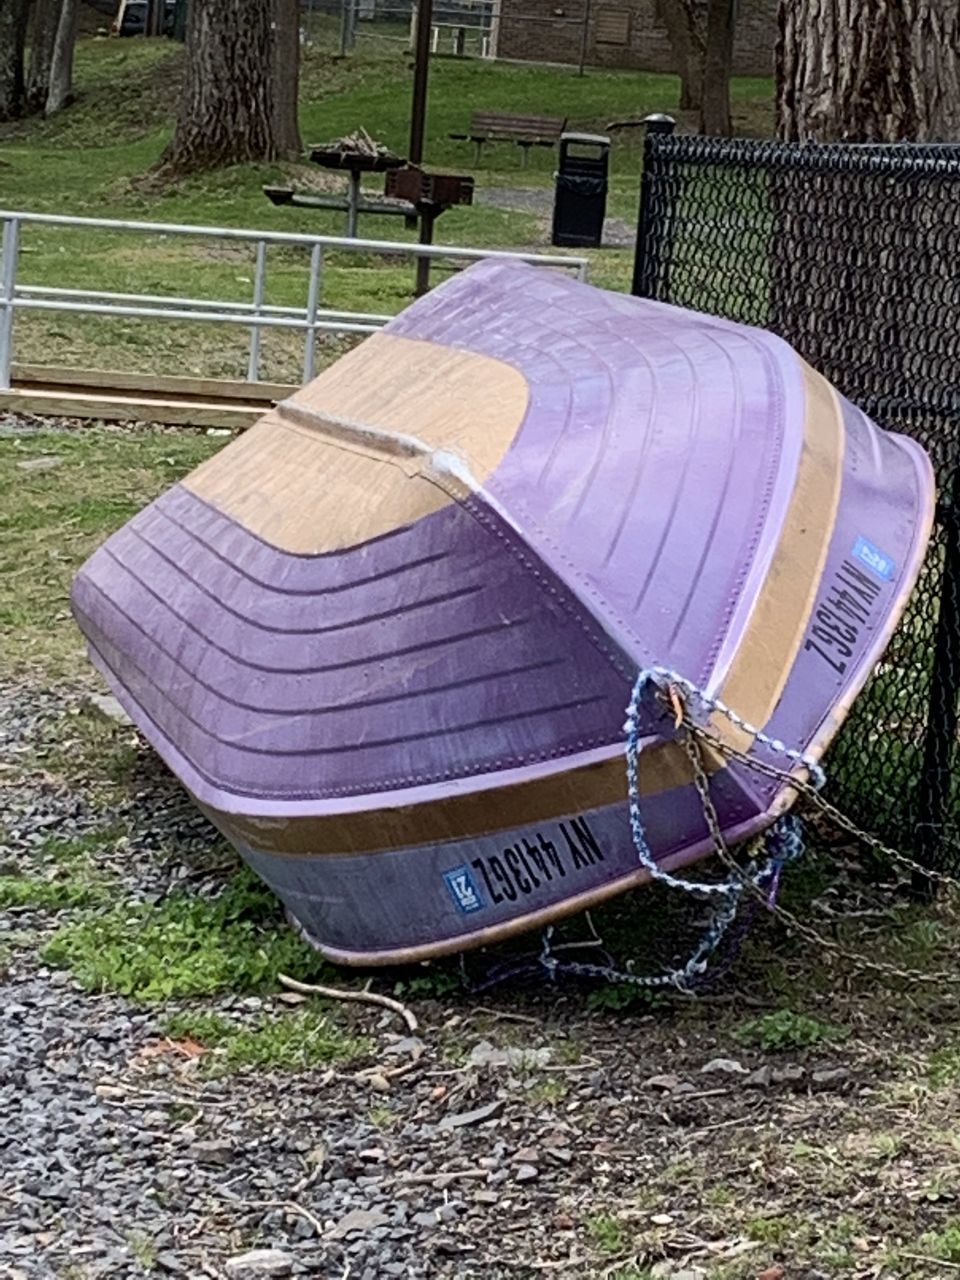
(255, 314)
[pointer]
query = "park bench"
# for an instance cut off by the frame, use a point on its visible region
(525, 131)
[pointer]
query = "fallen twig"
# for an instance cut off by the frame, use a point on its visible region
(503, 1015)
(934, 1262)
(292, 1207)
(359, 997)
(388, 1073)
(432, 1179)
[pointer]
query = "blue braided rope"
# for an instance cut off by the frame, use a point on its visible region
(659, 674)
(781, 845)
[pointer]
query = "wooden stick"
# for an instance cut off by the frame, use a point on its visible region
(934, 1262)
(291, 1206)
(360, 997)
(431, 1179)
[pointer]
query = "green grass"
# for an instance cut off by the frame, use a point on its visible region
(77, 163)
(67, 851)
(943, 1244)
(943, 1066)
(622, 997)
(548, 1093)
(186, 946)
(606, 1233)
(785, 1029)
(436, 983)
(295, 1041)
(54, 894)
(50, 521)
(772, 1231)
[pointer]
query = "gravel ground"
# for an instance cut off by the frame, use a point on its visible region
(493, 1143)
(617, 233)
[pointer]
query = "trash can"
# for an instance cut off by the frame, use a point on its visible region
(580, 202)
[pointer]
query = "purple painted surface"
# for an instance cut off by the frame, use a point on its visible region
(475, 661)
(402, 898)
(885, 487)
(672, 438)
(631, 522)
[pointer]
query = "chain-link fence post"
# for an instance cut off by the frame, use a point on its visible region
(939, 748)
(652, 126)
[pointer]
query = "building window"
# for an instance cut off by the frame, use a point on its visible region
(613, 26)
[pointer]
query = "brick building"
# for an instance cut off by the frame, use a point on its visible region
(622, 33)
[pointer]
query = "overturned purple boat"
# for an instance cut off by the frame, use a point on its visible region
(387, 636)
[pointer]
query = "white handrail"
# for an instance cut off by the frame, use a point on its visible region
(256, 315)
(398, 247)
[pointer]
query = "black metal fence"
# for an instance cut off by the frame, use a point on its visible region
(852, 254)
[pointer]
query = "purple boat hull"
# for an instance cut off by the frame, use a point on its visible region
(387, 637)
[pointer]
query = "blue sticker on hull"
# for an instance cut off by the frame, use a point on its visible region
(877, 561)
(463, 890)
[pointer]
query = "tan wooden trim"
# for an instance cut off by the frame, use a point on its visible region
(775, 630)
(155, 386)
(663, 767)
(307, 480)
(128, 409)
(884, 635)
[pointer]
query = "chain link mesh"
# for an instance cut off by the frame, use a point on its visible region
(850, 254)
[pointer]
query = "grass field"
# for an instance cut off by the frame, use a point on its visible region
(95, 159)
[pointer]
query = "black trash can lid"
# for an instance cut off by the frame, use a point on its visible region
(598, 139)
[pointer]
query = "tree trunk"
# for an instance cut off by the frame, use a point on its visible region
(13, 33)
(156, 11)
(61, 65)
(861, 263)
(228, 104)
(46, 16)
(868, 70)
(717, 66)
(287, 76)
(679, 17)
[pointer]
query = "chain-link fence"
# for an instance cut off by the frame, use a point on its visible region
(851, 254)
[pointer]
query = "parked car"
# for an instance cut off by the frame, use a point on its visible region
(134, 19)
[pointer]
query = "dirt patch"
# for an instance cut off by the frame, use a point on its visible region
(617, 233)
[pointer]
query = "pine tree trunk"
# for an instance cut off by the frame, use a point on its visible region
(13, 33)
(287, 76)
(61, 64)
(228, 105)
(717, 66)
(868, 70)
(43, 34)
(679, 17)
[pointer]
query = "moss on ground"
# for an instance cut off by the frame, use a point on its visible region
(187, 945)
(294, 1041)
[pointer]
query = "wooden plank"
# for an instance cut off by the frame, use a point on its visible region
(93, 404)
(27, 377)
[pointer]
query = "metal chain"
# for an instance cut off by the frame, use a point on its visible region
(812, 792)
(692, 741)
(780, 845)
